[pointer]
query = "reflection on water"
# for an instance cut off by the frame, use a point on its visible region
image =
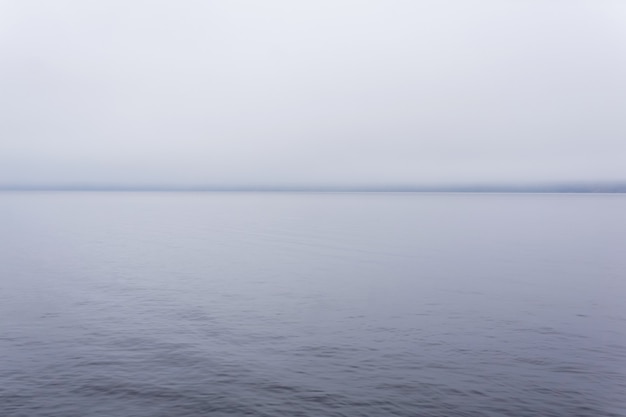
(286, 304)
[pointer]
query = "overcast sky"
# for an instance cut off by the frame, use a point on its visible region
(364, 92)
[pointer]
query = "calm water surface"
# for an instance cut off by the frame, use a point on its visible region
(286, 304)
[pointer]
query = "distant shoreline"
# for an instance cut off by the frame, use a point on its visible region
(548, 189)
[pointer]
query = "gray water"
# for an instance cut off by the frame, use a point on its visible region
(287, 304)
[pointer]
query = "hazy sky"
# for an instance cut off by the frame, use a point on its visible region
(312, 92)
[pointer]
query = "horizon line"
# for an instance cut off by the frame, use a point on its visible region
(553, 187)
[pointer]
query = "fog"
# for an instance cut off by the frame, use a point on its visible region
(339, 92)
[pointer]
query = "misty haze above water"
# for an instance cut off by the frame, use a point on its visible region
(363, 92)
(312, 304)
